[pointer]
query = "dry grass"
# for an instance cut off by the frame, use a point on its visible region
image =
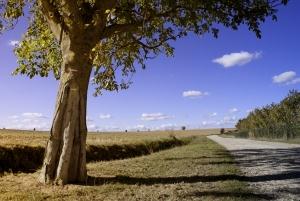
(36, 138)
(201, 170)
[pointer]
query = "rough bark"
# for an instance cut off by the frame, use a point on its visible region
(65, 155)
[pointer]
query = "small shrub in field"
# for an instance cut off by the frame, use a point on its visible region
(222, 131)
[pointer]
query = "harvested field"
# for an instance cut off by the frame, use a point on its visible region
(39, 138)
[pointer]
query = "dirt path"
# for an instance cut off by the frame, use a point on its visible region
(271, 168)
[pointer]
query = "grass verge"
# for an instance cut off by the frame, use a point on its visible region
(201, 170)
(29, 159)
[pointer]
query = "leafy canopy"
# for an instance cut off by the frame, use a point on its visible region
(121, 33)
(285, 113)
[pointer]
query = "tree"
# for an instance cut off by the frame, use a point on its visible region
(275, 119)
(107, 38)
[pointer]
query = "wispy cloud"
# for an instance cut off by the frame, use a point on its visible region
(139, 127)
(33, 115)
(13, 43)
(225, 121)
(288, 77)
(167, 127)
(154, 116)
(214, 114)
(194, 94)
(105, 116)
(237, 59)
(110, 128)
(28, 121)
(209, 123)
(233, 110)
(229, 120)
(92, 127)
(294, 81)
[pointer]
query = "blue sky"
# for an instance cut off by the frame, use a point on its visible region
(208, 83)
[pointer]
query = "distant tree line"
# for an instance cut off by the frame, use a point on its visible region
(286, 113)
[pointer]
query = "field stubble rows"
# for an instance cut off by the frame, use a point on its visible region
(39, 138)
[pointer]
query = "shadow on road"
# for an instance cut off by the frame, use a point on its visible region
(287, 159)
(272, 165)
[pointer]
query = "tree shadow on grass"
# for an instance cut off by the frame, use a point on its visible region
(197, 158)
(188, 179)
(226, 194)
(121, 179)
(209, 162)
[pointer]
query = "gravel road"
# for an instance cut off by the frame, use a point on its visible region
(271, 168)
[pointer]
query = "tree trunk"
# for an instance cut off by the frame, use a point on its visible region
(65, 155)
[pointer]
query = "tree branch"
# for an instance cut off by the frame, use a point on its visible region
(117, 28)
(100, 15)
(70, 12)
(151, 47)
(52, 16)
(105, 4)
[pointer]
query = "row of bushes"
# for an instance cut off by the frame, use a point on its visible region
(279, 132)
(29, 159)
(287, 112)
(280, 120)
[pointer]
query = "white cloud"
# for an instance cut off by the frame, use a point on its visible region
(110, 129)
(139, 127)
(288, 77)
(233, 110)
(33, 115)
(228, 121)
(237, 59)
(105, 116)
(213, 114)
(154, 116)
(14, 43)
(294, 81)
(167, 127)
(209, 123)
(194, 94)
(284, 77)
(92, 127)
(28, 121)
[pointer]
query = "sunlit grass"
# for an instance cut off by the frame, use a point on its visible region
(201, 170)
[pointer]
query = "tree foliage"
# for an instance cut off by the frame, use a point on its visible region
(285, 113)
(121, 34)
